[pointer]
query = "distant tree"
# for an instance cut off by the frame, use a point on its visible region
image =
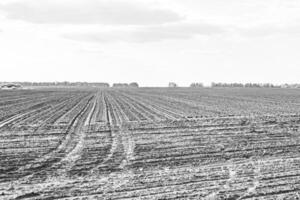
(230, 85)
(96, 84)
(120, 85)
(268, 85)
(172, 84)
(196, 85)
(134, 84)
(253, 85)
(237, 85)
(290, 85)
(100, 84)
(247, 85)
(10, 86)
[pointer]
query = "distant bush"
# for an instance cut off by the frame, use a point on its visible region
(227, 85)
(10, 86)
(261, 85)
(172, 84)
(196, 85)
(290, 86)
(120, 85)
(247, 85)
(126, 85)
(134, 84)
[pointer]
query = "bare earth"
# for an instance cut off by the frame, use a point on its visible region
(150, 143)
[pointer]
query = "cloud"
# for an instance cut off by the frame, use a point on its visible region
(111, 12)
(183, 31)
(269, 30)
(150, 33)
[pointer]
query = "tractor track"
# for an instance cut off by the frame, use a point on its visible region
(42, 166)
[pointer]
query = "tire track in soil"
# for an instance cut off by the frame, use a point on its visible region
(122, 146)
(69, 161)
(91, 168)
(121, 152)
(57, 113)
(77, 169)
(40, 168)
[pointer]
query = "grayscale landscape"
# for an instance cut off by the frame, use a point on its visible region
(150, 143)
(149, 99)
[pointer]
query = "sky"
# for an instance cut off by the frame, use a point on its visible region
(152, 42)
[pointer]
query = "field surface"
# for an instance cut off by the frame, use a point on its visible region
(150, 143)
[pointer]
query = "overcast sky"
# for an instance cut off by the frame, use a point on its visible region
(152, 42)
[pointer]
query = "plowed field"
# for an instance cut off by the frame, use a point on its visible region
(150, 143)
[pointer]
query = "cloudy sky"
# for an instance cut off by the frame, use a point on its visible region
(152, 42)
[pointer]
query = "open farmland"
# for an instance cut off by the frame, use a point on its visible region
(150, 143)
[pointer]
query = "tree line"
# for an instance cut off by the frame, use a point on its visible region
(136, 85)
(255, 85)
(72, 84)
(239, 85)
